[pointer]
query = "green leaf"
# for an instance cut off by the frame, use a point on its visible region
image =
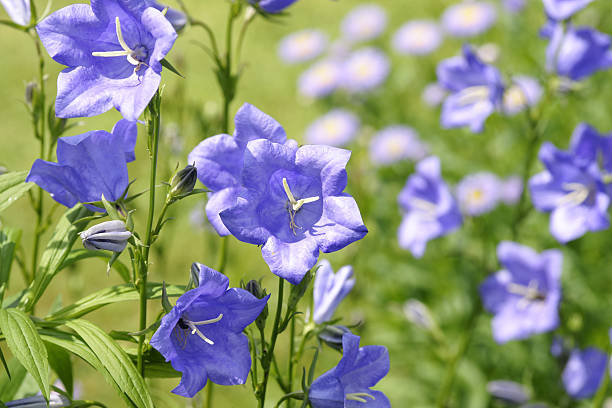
(9, 238)
(12, 187)
(164, 299)
(26, 345)
(60, 362)
(64, 236)
(166, 64)
(78, 254)
(8, 372)
(10, 385)
(112, 356)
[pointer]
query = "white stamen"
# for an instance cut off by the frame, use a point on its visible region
(131, 54)
(528, 293)
(194, 327)
(359, 396)
(426, 207)
(578, 193)
(473, 94)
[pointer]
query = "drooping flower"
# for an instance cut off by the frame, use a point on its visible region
(203, 337)
(321, 79)
(302, 46)
(476, 90)
(479, 193)
(336, 128)
(219, 159)
(364, 70)
(584, 371)
(563, 9)
(112, 50)
(525, 91)
(434, 94)
(293, 204)
(430, 210)
(419, 37)
(88, 166)
(364, 23)
(468, 19)
(511, 190)
(18, 10)
(349, 383)
(571, 188)
(110, 235)
(275, 6)
(395, 143)
(177, 18)
(525, 295)
(329, 290)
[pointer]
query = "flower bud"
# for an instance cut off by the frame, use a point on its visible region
(30, 93)
(184, 181)
(508, 391)
(109, 235)
(332, 336)
(254, 288)
(417, 313)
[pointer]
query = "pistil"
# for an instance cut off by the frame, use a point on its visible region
(578, 193)
(295, 205)
(359, 396)
(194, 326)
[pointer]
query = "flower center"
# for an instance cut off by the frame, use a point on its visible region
(529, 293)
(473, 94)
(577, 194)
(359, 396)
(515, 98)
(186, 324)
(134, 56)
(294, 205)
(426, 207)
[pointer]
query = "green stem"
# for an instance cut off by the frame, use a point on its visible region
(209, 395)
(228, 93)
(291, 359)
(222, 258)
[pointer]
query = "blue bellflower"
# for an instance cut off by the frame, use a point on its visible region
(18, 10)
(365, 70)
(430, 210)
(418, 37)
(584, 371)
(525, 295)
(348, 384)
(113, 50)
(363, 23)
(479, 193)
(177, 18)
(275, 6)
(321, 79)
(88, 166)
(395, 143)
(468, 19)
(329, 290)
(303, 45)
(219, 159)
(563, 9)
(203, 337)
(476, 90)
(337, 127)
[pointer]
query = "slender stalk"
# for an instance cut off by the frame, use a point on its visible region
(222, 257)
(228, 94)
(291, 359)
(209, 395)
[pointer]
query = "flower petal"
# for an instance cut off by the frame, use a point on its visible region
(251, 124)
(218, 160)
(217, 202)
(327, 162)
(340, 223)
(243, 308)
(290, 260)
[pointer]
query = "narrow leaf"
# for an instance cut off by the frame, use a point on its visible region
(164, 299)
(60, 362)
(166, 64)
(9, 238)
(12, 187)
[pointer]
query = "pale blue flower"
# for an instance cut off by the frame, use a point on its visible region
(419, 37)
(364, 22)
(478, 193)
(336, 128)
(468, 19)
(365, 70)
(302, 46)
(18, 10)
(330, 289)
(321, 79)
(396, 143)
(524, 92)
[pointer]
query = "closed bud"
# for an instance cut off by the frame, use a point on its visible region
(417, 313)
(30, 93)
(109, 235)
(332, 336)
(508, 391)
(56, 400)
(254, 288)
(184, 181)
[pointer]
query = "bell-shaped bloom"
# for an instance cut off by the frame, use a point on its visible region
(336, 128)
(525, 295)
(419, 37)
(524, 92)
(321, 79)
(18, 10)
(329, 290)
(576, 53)
(110, 235)
(476, 90)
(177, 18)
(112, 50)
(203, 337)
(434, 94)
(395, 143)
(571, 188)
(302, 46)
(218, 159)
(293, 204)
(365, 70)
(275, 6)
(430, 210)
(364, 22)
(88, 166)
(563, 9)
(349, 383)
(584, 372)
(469, 18)
(511, 190)
(479, 193)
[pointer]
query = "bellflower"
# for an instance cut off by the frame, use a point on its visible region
(302, 46)
(571, 188)
(396, 143)
(525, 295)
(321, 79)
(563, 9)
(348, 384)
(18, 10)
(476, 90)
(468, 19)
(365, 69)
(88, 166)
(434, 94)
(203, 337)
(275, 6)
(419, 37)
(511, 190)
(364, 22)
(109, 235)
(219, 159)
(478, 193)
(584, 371)
(336, 128)
(177, 18)
(430, 209)
(112, 50)
(293, 204)
(525, 91)
(329, 290)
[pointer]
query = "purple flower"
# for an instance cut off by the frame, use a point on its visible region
(571, 188)
(302, 46)
(525, 91)
(330, 289)
(578, 52)
(419, 37)
(488, 53)
(514, 6)
(348, 384)
(508, 391)
(88, 166)
(293, 204)
(321, 79)
(476, 90)
(275, 6)
(364, 22)
(430, 211)
(336, 128)
(511, 190)
(479, 193)
(202, 335)
(434, 94)
(396, 143)
(525, 295)
(584, 371)
(18, 11)
(219, 159)
(365, 69)
(563, 9)
(177, 18)
(113, 50)
(468, 19)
